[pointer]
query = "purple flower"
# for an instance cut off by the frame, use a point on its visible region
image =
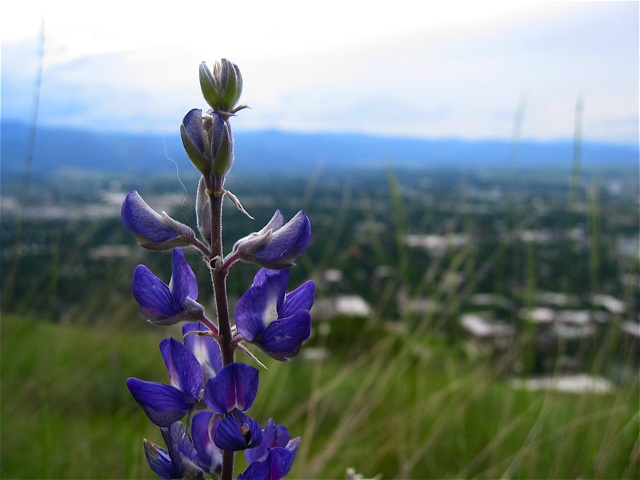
(165, 404)
(230, 393)
(208, 142)
(278, 244)
(164, 304)
(274, 436)
(177, 460)
(277, 322)
(235, 386)
(209, 455)
(152, 230)
(237, 431)
(276, 465)
(205, 348)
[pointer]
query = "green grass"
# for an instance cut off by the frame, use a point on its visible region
(404, 407)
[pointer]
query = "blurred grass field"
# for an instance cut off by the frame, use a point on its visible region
(382, 403)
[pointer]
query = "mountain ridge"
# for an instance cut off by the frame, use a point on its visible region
(259, 151)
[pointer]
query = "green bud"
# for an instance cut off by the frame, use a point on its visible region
(221, 87)
(221, 145)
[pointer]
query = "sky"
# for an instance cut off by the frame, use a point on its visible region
(456, 69)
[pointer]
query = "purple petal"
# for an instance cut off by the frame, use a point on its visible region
(184, 369)
(183, 280)
(163, 404)
(276, 223)
(206, 349)
(237, 431)
(153, 295)
(288, 242)
(259, 305)
(235, 386)
(272, 436)
(299, 299)
(160, 461)
(283, 338)
(274, 467)
(181, 450)
(192, 124)
(209, 456)
(143, 222)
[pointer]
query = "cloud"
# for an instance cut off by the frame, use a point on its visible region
(461, 79)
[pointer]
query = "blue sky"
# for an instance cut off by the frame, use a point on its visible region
(407, 68)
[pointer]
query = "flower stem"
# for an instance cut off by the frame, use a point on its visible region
(218, 279)
(227, 465)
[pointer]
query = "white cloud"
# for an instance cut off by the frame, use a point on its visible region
(426, 69)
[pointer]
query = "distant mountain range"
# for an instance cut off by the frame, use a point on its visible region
(58, 149)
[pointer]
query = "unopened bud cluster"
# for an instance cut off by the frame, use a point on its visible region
(202, 410)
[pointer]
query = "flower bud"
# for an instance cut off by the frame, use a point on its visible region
(208, 142)
(221, 143)
(194, 139)
(221, 87)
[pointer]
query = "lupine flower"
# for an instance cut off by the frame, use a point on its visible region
(152, 230)
(275, 466)
(221, 87)
(208, 142)
(205, 348)
(165, 404)
(273, 436)
(237, 431)
(277, 245)
(235, 386)
(177, 460)
(230, 393)
(209, 455)
(277, 322)
(164, 304)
